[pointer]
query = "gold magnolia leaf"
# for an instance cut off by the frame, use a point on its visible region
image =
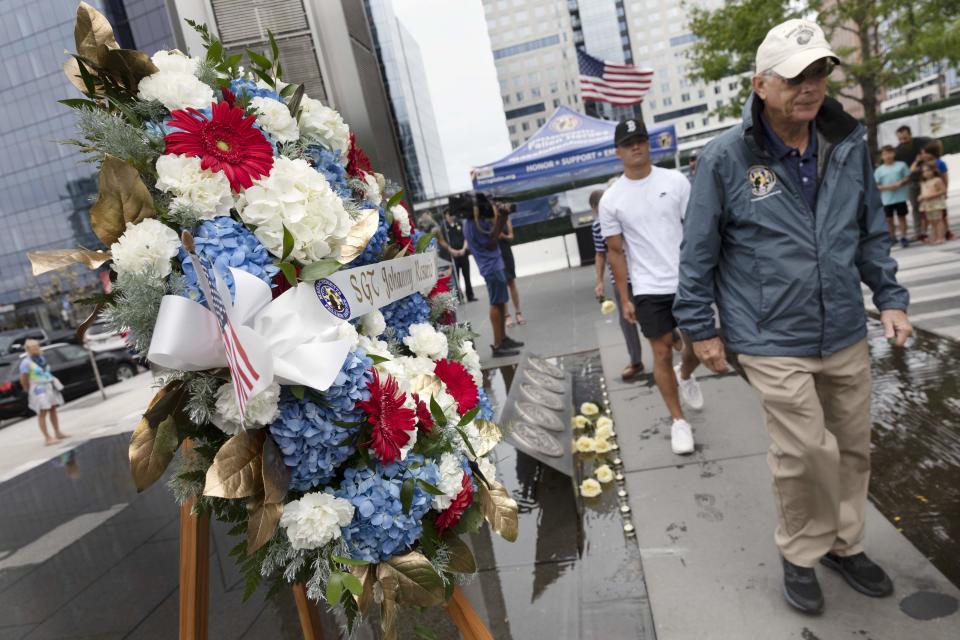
(263, 522)
(123, 199)
(126, 65)
(91, 30)
(82, 329)
(490, 436)
(425, 385)
(461, 557)
(367, 575)
(236, 471)
(276, 475)
(151, 451)
(499, 509)
(359, 235)
(170, 400)
(419, 583)
(44, 261)
(71, 69)
(389, 581)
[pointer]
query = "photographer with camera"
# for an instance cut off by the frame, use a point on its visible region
(483, 221)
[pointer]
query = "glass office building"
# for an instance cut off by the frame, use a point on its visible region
(45, 190)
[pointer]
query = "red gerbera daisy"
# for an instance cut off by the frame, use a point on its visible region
(459, 383)
(390, 419)
(226, 142)
(424, 417)
(442, 286)
(228, 96)
(358, 164)
(451, 516)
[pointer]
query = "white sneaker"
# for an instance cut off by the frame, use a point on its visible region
(681, 437)
(689, 390)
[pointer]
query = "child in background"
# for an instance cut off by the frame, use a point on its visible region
(932, 151)
(892, 179)
(933, 201)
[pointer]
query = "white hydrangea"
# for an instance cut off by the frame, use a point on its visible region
(468, 357)
(146, 247)
(373, 324)
(451, 480)
(175, 84)
(315, 519)
(401, 216)
(262, 409)
(426, 341)
(275, 119)
(207, 192)
(487, 467)
(319, 123)
(295, 195)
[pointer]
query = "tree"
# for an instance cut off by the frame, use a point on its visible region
(890, 43)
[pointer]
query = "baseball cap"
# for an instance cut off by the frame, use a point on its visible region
(630, 128)
(792, 46)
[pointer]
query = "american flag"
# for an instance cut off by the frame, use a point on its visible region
(245, 376)
(619, 84)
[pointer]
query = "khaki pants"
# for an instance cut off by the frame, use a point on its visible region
(818, 416)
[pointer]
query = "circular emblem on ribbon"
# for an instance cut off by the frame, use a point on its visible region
(332, 298)
(761, 180)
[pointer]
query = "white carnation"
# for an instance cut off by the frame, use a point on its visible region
(401, 216)
(346, 331)
(426, 341)
(319, 123)
(373, 324)
(206, 192)
(420, 366)
(473, 435)
(404, 450)
(146, 247)
(275, 119)
(372, 189)
(488, 468)
(262, 409)
(374, 347)
(175, 84)
(469, 358)
(298, 197)
(451, 480)
(315, 519)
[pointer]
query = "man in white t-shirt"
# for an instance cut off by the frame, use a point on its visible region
(642, 214)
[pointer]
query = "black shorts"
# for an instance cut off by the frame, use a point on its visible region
(898, 208)
(655, 314)
(509, 264)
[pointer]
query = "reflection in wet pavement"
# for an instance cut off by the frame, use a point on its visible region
(916, 443)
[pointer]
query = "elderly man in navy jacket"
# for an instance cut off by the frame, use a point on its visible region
(784, 223)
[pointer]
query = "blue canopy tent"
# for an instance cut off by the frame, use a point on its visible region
(570, 148)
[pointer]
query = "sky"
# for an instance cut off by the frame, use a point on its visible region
(453, 40)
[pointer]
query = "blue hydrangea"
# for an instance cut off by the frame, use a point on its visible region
(250, 88)
(328, 164)
(162, 129)
(486, 408)
(380, 528)
(226, 243)
(399, 315)
(305, 431)
(374, 249)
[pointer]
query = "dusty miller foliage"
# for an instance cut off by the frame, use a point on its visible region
(110, 133)
(206, 73)
(202, 396)
(136, 307)
(186, 218)
(152, 110)
(440, 304)
(188, 477)
(457, 334)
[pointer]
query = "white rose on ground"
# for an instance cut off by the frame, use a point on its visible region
(604, 429)
(488, 468)
(175, 84)
(589, 409)
(323, 125)
(604, 422)
(590, 488)
(206, 192)
(315, 519)
(373, 324)
(299, 198)
(607, 307)
(602, 445)
(275, 119)
(451, 480)
(585, 444)
(426, 341)
(145, 247)
(604, 473)
(262, 409)
(580, 422)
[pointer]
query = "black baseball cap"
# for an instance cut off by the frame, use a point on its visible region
(630, 128)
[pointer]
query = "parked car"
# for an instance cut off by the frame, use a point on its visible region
(100, 336)
(12, 341)
(71, 364)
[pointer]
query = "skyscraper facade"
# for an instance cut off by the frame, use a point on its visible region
(405, 78)
(45, 189)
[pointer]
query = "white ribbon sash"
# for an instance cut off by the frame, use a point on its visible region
(354, 292)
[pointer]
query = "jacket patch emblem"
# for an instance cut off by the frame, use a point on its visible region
(761, 180)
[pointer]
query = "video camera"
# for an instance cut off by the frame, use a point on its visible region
(462, 205)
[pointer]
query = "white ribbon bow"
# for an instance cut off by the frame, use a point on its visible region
(292, 339)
